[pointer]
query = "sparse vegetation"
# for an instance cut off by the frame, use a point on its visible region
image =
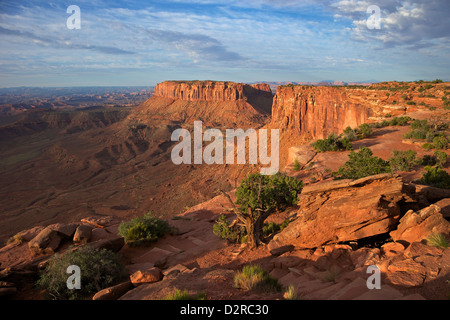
(297, 165)
(254, 278)
(434, 132)
(290, 294)
(15, 238)
(436, 177)
(402, 160)
(224, 230)
(438, 240)
(143, 230)
(258, 196)
(362, 164)
(441, 157)
(100, 269)
(185, 295)
(334, 142)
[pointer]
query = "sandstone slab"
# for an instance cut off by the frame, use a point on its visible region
(347, 210)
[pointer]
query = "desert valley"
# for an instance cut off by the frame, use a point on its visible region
(375, 195)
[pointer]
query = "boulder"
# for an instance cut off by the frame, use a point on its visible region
(100, 221)
(64, 230)
(344, 210)
(114, 292)
(417, 226)
(444, 204)
(47, 240)
(82, 234)
(148, 276)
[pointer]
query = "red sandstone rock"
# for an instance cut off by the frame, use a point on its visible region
(317, 111)
(344, 210)
(215, 103)
(148, 276)
(417, 226)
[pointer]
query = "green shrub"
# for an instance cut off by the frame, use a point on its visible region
(334, 142)
(402, 160)
(350, 134)
(428, 146)
(436, 177)
(417, 134)
(428, 160)
(254, 278)
(185, 295)
(223, 230)
(297, 165)
(364, 130)
(441, 157)
(143, 230)
(400, 121)
(420, 124)
(411, 103)
(362, 164)
(99, 269)
(440, 142)
(272, 227)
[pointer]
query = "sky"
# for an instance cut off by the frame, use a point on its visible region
(142, 43)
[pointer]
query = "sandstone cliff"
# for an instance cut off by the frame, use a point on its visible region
(317, 111)
(216, 103)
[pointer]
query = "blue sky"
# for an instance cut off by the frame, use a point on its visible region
(145, 42)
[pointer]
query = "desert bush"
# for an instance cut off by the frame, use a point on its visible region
(420, 124)
(297, 165)
(272, 227)
(440, 142)
(427, 146)
(185, 295)
(402, 160)
(400, 121)
(441, 157)
(411, 103)
(364, 131)
(350, 134)
(143, 230)
(334, 142)
(223, 230)
(100, 268)
(418, 134)
(436, 177)
(428, 160)
(362, 164)
(254, 278)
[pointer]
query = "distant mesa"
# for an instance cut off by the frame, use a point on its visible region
(219, 103)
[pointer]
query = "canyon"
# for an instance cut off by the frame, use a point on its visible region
(60, 168)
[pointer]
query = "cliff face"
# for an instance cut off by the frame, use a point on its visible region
(211, 90)
(317, 111)
(215, 103)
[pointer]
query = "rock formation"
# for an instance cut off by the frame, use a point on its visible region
(344, 210)
(317, 111)
(216, 103)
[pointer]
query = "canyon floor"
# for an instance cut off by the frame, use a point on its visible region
(196, 260)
